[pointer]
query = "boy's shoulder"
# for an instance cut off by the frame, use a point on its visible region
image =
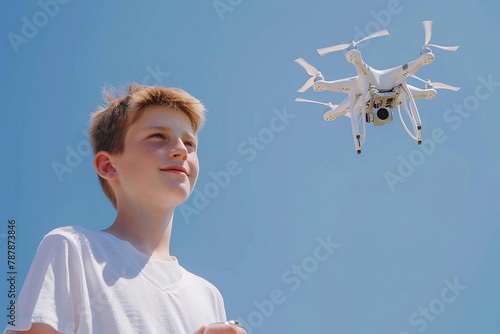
(202, 282)
(68, 230)
(73, 235)
(71, 232)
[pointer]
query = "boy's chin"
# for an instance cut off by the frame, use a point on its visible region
(176, 199)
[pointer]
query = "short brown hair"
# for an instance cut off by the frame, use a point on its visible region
(109, 124)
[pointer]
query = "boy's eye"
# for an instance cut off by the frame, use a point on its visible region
(158, 135)
(190, 143)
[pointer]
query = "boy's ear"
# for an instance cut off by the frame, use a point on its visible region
(104, 166)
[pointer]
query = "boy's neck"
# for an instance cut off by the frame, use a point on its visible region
(148, 232)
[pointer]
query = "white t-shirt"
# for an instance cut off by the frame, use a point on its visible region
(92, 282)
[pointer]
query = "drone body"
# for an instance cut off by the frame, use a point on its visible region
(373, 94)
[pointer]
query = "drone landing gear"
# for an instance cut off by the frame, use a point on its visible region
(358, 142)
(355, 133)
(413, 114)
(354, 124)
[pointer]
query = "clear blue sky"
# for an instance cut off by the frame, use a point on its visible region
(299, 233)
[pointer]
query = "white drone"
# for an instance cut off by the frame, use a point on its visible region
(372, 94)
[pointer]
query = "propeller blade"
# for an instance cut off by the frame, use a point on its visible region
(424, 81)
(311, 70)
(447, 48)
(437, 85)
(440, 85)
(428, 35)
(307, 85)
(377, 34)
(331, 49)
(428, 31)
(311, 101)
(339, 47)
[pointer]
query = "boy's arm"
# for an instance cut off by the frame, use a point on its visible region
(40, 329)
(44, 302)
(221, 328)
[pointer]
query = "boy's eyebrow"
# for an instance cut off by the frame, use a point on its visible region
(157, 127)
(165, 128)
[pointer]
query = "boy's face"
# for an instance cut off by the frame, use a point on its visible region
(159, 163)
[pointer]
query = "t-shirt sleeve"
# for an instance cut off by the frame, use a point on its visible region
(219, 306)
(221, 311)
(51, 293)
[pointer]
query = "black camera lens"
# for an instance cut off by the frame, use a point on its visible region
(382, 114)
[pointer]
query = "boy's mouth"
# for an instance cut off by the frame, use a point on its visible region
(175, 169)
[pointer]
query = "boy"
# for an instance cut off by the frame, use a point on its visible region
(123, 279)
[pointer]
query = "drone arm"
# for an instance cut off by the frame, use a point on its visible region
(397, 75)
(412, 67)
(418, 93)
(346, 85)
(341, 110)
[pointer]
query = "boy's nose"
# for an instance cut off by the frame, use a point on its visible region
(179, 151)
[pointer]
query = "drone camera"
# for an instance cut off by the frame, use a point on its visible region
(380, 116)
(378, 111)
